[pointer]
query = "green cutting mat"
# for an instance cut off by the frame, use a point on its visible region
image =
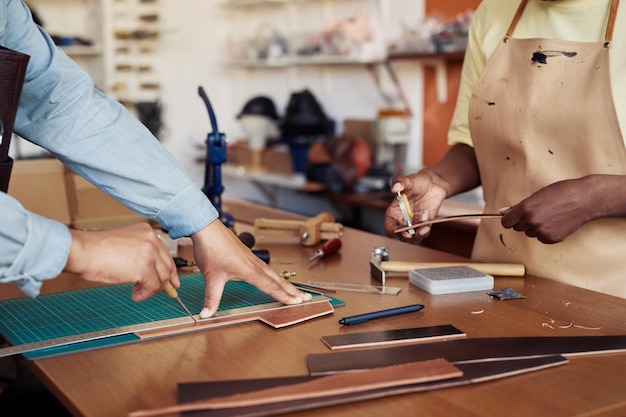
(26, 320)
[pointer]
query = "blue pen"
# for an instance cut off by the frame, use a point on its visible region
(363, 318)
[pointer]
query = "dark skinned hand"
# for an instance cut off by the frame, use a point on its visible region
(558, 210)
(425, 198)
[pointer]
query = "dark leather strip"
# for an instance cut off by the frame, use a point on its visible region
(462, 350)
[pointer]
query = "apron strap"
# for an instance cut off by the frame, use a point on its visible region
(516, 18)
(608, 36)
(12, 73)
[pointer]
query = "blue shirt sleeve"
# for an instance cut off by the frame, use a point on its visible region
(32, 248)
(96, 137)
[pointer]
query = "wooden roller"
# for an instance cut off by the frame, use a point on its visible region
(500, 269)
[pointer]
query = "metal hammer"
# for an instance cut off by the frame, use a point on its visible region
(381, 267)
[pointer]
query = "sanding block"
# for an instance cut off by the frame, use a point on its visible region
(450, 279)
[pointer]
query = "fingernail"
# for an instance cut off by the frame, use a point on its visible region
(504, 209)
(307, 296)
(396, 187)
(424, 216)
(424, 231)
(204, 314)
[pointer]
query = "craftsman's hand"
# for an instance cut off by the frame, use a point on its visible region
(455, 173)
(558, 210)
(425, 198)
(129, 254)
(221, 256)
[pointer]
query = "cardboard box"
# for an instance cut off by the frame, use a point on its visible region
(276, 159)
(94, 209)
(48, 188)
(41, 185)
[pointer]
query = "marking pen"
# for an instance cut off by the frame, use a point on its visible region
(364, 318)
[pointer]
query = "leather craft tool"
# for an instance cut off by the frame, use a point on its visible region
(448, 219)
(364, 318)
(215, 156)
(343, 286)
(172, 293)
(309, 287)
(307, 232)
(329, 248)
(405, 207)
(381, 267)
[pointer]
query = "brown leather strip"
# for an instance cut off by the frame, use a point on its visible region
(450, 219)
(347, 383)
(278, 317)
(472, 373)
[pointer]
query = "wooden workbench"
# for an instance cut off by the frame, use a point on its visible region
(114, 381)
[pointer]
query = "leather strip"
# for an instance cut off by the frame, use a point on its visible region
(472, 373)
(450, 219)
(463, 350)
(348, 383)
(279, 317)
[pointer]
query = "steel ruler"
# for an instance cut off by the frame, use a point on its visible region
(341, 286)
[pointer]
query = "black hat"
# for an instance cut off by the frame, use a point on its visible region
(262, 106)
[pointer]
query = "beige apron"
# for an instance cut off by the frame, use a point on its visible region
(541, 112)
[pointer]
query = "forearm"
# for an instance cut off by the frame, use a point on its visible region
(456, 172)
(606, 194)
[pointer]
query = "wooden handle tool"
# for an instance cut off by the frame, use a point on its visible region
(501, 269)
(172, 293)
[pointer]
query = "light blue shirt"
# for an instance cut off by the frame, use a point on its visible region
(61, 111)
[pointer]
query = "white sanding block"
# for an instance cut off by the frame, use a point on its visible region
(450, 279)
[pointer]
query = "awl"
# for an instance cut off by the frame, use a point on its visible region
(172, 293)
(327, 249)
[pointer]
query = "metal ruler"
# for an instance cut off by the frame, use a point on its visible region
(341, 286)
(133, 328)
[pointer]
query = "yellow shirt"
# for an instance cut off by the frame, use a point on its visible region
(573, 20)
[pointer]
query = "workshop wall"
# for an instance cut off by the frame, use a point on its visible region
(193, 52)
(195, 42)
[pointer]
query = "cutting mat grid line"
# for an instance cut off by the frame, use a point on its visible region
(26, 320)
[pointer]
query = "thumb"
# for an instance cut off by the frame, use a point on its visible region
(212, 297)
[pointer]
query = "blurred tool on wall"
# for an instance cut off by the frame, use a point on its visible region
(259, 121)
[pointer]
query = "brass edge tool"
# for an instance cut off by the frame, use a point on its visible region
(172, 293)
(405, 207)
